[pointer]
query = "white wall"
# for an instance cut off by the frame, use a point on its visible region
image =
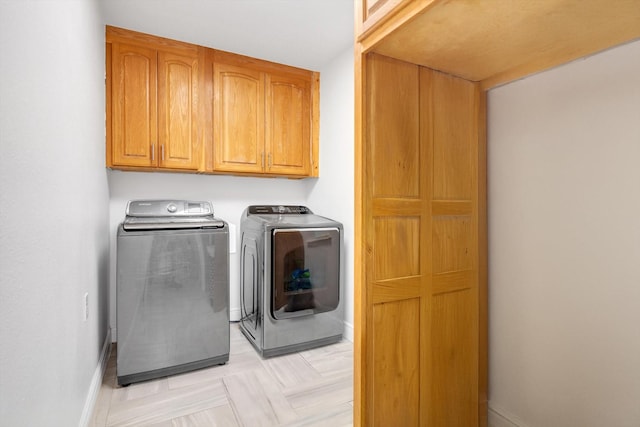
(305, 34)
(54, 208)
(330, 195)
(564, 245)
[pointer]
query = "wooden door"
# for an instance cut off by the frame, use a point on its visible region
(178, 125)
(133, 115)
(238, 117)
(288, 125)
(453, 127)
(420, 287)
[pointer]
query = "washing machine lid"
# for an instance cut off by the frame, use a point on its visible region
(169, 214)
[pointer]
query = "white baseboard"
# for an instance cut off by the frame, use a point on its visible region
(234, 314)
(348, 331)
(96, 382)
(498, 417)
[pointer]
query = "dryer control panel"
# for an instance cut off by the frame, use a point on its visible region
(278, 210)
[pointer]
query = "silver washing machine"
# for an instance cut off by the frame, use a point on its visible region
(290, 279)
(172, 289)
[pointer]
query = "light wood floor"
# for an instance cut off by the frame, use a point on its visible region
(310, 388)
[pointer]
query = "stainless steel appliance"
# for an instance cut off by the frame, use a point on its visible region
(290, 279)
(172, 289)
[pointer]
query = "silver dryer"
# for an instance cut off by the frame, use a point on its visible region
(291, 274)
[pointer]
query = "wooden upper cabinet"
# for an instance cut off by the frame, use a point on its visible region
(288, 133)
(178, 111)
(177, 106)
(263, 117)
(152, 103)
(238, 114)
(133, 109)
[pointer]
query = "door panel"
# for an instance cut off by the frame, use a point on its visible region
(178, 111)
(239, 115)
(398, 254)
(395, 272)
(396, 363)
(454, 364)
(395, 148)
(288, 126)
(452, 238)
(134, 116)
(455, 307)
(452, 115)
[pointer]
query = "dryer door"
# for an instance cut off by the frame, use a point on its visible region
(305, 271)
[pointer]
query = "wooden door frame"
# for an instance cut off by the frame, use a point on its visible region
(362, 207)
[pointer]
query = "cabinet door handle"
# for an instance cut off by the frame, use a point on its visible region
(162, 152)
(153, 152)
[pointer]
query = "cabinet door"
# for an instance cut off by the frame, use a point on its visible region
(178, 111)
(238, 119)
(134, 127)
(288, 136)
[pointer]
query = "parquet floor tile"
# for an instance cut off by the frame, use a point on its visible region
(312, 388)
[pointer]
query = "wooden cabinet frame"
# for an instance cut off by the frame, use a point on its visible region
(421, 226)
(244, 139)
(169, 110)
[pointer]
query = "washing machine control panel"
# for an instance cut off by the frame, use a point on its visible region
(278, 210)
(164, 208)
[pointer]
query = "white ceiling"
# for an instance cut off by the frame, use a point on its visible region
(302, 33)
